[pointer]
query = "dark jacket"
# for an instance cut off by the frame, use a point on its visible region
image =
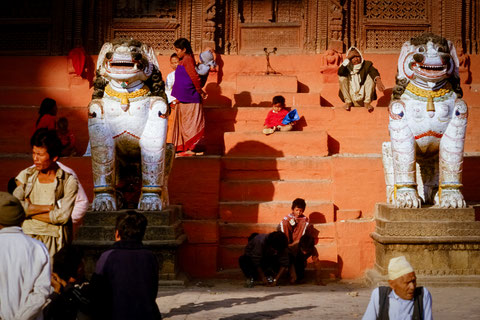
(127, 280)
(257, 250)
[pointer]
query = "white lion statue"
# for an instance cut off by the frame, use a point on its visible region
(127, 124)
(428, 119)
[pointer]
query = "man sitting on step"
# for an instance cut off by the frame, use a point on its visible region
(402, 299)
(357, 81)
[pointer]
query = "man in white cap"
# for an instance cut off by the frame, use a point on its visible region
(402, 300)
(24, 265)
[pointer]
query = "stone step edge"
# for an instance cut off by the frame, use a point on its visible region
(326, 181)
(266, 225)
(229, 157)
(425, 240)
(147, 243)
(309, 203)
(237, 274)
(174, 225)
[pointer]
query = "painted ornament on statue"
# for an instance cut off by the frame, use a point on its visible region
(423, 162)
(127, 124)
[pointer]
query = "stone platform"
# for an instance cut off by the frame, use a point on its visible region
(443, 245)
(164, 236)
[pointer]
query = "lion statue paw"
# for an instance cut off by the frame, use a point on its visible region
(450, 199)
(104, 202)
(408, 198)
(150, 202)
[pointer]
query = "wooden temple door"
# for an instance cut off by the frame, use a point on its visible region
(270, 24)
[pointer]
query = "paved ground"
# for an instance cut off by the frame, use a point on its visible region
(229, 300)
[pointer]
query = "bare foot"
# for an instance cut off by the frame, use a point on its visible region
(347, 106)
(368, 106)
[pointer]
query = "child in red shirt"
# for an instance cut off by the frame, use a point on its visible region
(273, 122)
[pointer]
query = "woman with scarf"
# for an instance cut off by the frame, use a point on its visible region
(187, 89)
(357, 81)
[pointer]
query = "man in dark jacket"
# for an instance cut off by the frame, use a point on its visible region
(357, 81)
(127, 274)
(266, 258)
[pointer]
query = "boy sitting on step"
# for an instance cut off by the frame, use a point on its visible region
(295, 224)
(275, 116)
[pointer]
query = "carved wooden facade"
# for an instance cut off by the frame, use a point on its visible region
(53, 27)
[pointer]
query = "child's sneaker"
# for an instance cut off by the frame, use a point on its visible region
(268, 131)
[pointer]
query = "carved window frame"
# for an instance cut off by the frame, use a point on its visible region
(408, 26)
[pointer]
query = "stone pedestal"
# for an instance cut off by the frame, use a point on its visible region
(443, 245)
(163, 236)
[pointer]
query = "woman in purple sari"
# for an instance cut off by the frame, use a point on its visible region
(189, 124)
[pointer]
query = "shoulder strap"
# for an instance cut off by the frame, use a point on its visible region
(383, 302)
(418, 304)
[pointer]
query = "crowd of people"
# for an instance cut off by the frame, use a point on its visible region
(42, 274)
(34, 284)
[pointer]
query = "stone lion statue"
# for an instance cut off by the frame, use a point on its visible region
(127, 124)
(428, 119)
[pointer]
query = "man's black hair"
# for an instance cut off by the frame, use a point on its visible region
(67, 261)
(47, 139)
(182, 43)
(277, 240)
(307, 243)
(299, 203)
(278, 99)
(131, 226)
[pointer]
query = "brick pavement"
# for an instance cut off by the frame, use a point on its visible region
(229, 300)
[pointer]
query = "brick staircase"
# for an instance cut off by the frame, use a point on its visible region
(261, 175)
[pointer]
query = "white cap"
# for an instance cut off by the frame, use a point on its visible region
(398, 267)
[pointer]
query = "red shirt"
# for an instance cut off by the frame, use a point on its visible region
(275, 118)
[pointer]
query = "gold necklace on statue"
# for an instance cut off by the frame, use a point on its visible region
(125, 97)
(429, 94)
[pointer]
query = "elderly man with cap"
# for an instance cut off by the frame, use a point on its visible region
(402, 300)
(357, 81)
(24, 265)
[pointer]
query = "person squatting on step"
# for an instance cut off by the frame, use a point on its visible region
(265, 259)
(273, 121)
(402, 300)
(47, 193)
(24, 265)
(299, 252)
(357, 81)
